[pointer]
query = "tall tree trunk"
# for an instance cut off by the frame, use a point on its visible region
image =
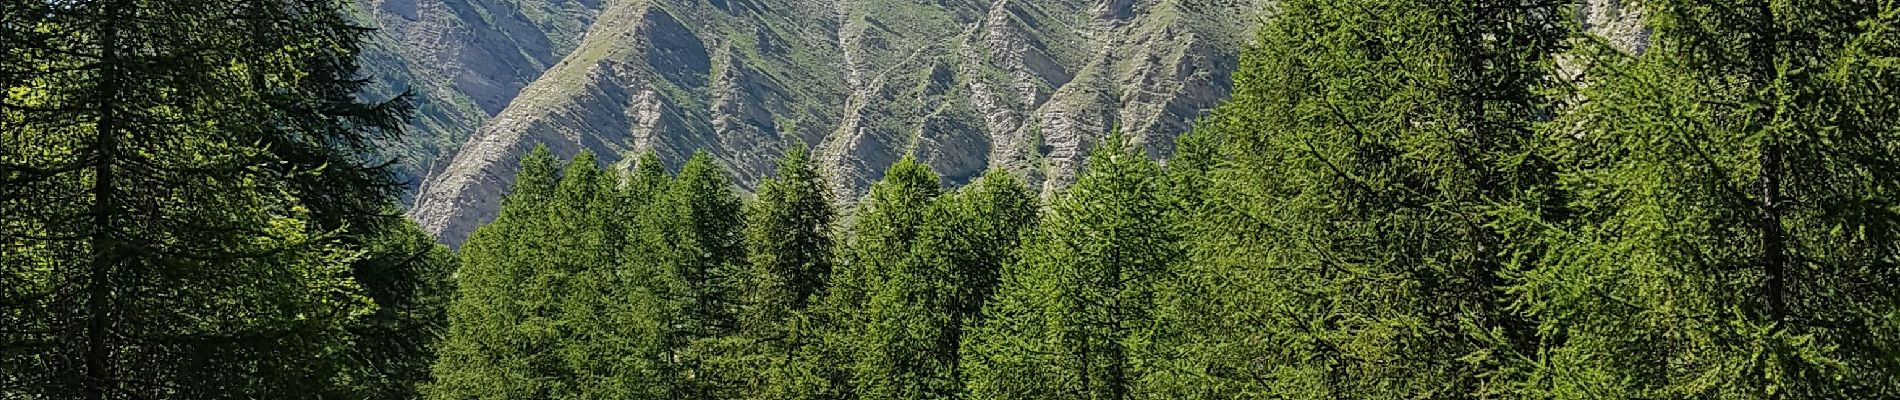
(1773, 258)
(104, 244)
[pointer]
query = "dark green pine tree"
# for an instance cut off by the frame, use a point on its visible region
(789, 241)
(873, 332)
(501, 340)
(165, 201)
(1347, 246)
(1737, 233)
(1066, 317)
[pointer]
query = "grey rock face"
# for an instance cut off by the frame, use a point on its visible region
(1029, 86)
(964, 85)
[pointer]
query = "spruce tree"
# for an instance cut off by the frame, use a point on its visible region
(1735, 235)
(1067, 315)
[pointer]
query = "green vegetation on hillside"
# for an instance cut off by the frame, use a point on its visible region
(1404, 199)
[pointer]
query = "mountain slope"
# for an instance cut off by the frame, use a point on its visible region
(464, 59)
(966, 85)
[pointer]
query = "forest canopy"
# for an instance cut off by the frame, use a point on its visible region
(1402, 199)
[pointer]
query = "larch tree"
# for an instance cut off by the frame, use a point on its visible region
(858, 330)
(500, 342)
(170, 227)
(969, 237)
(1736, 230)
(1347, 247)
(790, 242)
(1067, 315)
(407, 275)
(918, 307)
(605, 337)
(684, 248)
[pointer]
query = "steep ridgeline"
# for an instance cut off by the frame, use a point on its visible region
(965, 85)
(464, 60)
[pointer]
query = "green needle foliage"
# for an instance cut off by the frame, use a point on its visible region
(973, 234)
(1346, 249)
(543, 306)
(1404, 199)
(789, 240)
(876, 310)
(1736, 235)
(406, 274)
(708, 246)
(1067, 316)
(499, 338)
(187, 209)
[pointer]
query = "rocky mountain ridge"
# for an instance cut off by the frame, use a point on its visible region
(964, 85)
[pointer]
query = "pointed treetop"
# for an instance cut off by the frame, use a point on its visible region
(703, 168)
(581, 178)
(648, 175)
(909, 178)
(537, 178)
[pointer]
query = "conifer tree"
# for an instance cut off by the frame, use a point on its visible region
(1066, 316)
(168, 225)
(939, 283)
(602, 344)
(1347, 248)
(789, 240)
(500, 341)
(686, 247)
(979, 231)
(711, 220)
(789, 237)
(406, 274)
(869, 325)
(1735, 235)
(969, 237)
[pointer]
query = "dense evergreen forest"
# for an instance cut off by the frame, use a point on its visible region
(1403, 199)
